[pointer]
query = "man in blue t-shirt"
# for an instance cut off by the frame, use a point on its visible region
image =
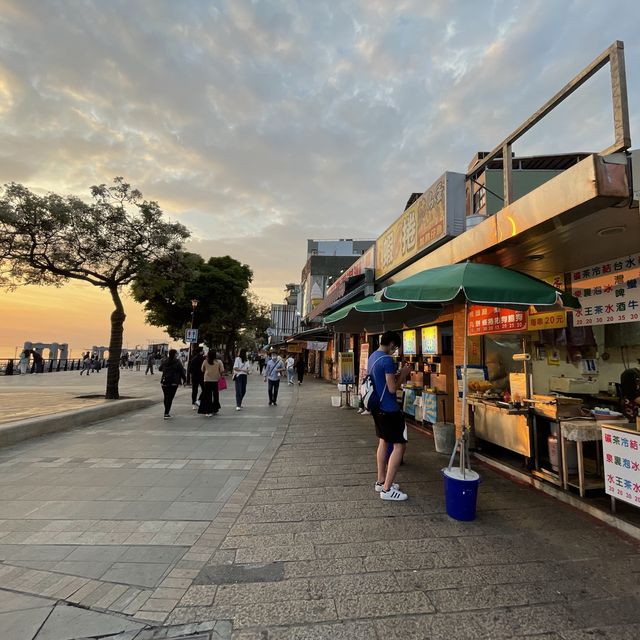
(389, 421)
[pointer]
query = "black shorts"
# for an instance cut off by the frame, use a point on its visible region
(390, 427)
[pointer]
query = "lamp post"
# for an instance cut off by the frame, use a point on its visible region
(194, 305)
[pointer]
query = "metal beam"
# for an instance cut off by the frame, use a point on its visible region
(614, 55)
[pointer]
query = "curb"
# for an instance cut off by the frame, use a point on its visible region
(612, 521)
(14, 432)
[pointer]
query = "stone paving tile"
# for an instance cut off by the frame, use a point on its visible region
(284, 613)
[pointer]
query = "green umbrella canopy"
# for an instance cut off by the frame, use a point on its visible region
(479, 284)
(375, 315)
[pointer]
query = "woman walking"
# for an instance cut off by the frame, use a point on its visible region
(213, 370)
(241, 368)
(300, 368)
(172, 375)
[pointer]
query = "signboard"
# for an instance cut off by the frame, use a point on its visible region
(484, 320)
(317, 346)
(347, 371)
(364, 361)
(609, 292)
(538, 321)
(409, 346)
(294, 348)
(621, 455)
(365, 261)
(191, 336)
(436, 215)
(430, 341)
(555, 280)
(430, 407)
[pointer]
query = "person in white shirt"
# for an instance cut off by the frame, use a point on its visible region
(241, 369)
(291, 369)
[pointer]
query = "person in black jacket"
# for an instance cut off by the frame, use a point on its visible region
(197, 376)
(172, 375)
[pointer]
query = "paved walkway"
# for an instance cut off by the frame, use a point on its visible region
(31, 395)
(264, 525)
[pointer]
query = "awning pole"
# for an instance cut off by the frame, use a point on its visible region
(463, 422)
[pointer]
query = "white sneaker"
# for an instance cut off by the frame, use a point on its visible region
(393, 494)
(366, 413)
(194, 407)
(359, 411)
(238, 408)
(380, 486)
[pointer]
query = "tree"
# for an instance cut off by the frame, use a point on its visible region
(220, 284)
(51, 239)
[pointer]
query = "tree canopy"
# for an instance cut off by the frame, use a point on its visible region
(51, 239)
(225, 308)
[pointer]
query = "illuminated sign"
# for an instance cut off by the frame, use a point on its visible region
(430, 341)
(409, 346)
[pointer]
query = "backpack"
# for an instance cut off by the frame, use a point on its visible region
(368, 393)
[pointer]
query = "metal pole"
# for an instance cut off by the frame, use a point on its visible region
(465, 358)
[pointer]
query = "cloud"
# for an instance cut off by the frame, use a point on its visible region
(260, 124)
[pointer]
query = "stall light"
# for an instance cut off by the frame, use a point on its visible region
(611, 231)
(535, 257)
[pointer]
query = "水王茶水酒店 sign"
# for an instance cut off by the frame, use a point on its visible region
(438, 214)
(609, 292)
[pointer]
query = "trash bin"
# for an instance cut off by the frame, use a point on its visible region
(460, 493)
(336, 401)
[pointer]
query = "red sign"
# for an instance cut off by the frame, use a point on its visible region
(495, 320)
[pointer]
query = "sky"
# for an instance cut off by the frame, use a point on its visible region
(259, 124)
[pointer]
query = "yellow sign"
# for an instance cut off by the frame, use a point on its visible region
(409, 347)
(422, 224)
(430, 341)
(547, 320)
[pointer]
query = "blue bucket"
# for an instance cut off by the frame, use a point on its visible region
(460, 493)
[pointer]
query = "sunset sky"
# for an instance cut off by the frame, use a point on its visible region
(260, 124)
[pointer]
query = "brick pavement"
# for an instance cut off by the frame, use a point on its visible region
(297, 545)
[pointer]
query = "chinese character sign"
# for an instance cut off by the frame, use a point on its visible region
(364, 361)
(621, 454)
(609, 292)
(547, 320)
(495, 320)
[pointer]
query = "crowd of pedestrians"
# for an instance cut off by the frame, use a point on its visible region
(207, 375)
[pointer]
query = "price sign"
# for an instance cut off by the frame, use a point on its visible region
(621, 451)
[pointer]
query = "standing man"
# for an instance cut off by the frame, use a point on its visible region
(197, 375)
(291, 369)
(272, 374)
(150, 359)
(388, 418)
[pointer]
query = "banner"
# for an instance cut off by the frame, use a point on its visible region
(483, 319)
(609, 292)
(364, 361)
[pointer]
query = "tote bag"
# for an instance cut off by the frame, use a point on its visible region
(222, 383)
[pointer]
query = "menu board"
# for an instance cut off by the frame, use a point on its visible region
(621, 451)
(483, 319)
(609, 292)
(430, 341)
(409, 346)
(347, 372)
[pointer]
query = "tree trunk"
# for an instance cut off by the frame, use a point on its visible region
(115, 345)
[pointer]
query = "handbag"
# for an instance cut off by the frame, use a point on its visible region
(222, 383)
